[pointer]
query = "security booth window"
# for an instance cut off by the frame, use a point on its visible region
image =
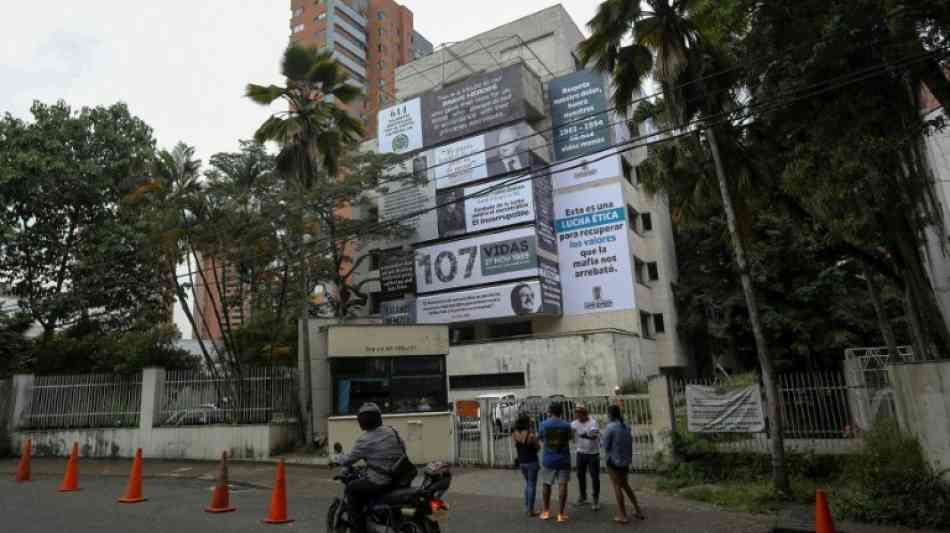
(395, 384)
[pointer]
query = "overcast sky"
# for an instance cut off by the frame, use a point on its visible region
(181, 65)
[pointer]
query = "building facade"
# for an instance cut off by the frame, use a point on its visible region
(937, 153)
(531, 238)
(369, 38)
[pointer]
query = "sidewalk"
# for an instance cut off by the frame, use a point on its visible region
(474, 492)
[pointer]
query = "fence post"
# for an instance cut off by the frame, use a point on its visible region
(153, 392)
(485, 428)
(663, 414)
(22, 394)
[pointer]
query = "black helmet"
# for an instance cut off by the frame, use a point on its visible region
(369, 416)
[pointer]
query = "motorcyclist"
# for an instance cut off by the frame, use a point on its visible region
(380, 449)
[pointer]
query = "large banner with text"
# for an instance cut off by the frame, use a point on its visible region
(478, 103)
(594, 250)
(477, 260)
(408, 196)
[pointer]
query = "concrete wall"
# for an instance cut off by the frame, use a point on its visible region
(174, 442)
(937, 150)
(922, 397)
(197, 442)
(580, 364)
(428, 436)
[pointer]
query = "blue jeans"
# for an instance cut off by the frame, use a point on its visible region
(530, 473)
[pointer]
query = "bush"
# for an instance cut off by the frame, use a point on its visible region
(891, 482)
(701, 462)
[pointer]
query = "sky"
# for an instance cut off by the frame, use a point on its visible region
(182, 65)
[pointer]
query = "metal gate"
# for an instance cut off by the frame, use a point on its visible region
(483, 438)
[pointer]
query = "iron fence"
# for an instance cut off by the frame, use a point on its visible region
(83, 401)
(817, 409)
(257, 396)
(501, 415)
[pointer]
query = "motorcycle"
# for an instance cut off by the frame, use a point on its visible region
(404, 510)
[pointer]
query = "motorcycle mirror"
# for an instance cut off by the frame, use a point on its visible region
(337, 447)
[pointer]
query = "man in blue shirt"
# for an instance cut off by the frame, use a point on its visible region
(556, 435)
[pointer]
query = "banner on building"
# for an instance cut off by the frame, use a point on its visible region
(492, 154)
(713, 410)
(477, 260)
(544, 211)
(498, 301)
(404, 196)
(587, 169)
(477, 103)
(400, 127)
(579, 114)
(594, 250)
(396, 272)
(398, 311)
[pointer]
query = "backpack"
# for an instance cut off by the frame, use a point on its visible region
(402, 471)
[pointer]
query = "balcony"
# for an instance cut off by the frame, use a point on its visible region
(358, 33)
(352, 65)
(352, 13)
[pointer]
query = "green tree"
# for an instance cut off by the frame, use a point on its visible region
(851, 158)
(312, 132)
(69, 249)
(667, 44)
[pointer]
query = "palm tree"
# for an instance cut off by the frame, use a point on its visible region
(312, 133)
(666, 44)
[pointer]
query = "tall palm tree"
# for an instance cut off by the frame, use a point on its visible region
(312, 133)
(665, 43)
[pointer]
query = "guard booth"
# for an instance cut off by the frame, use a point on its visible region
(400, 368)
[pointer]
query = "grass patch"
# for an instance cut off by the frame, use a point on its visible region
(745, 496)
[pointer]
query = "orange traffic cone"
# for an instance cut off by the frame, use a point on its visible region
(23, 469)
(278, 499)
(823, 523)
(71, 479)
(221, 497)
(133, 492)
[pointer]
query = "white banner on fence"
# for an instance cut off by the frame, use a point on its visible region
(713, 410)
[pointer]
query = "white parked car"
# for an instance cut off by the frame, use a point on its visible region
(505, 412)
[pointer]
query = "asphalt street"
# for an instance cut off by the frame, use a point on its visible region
(480, 500)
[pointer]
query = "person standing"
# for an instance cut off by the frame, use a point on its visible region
(618, 446)
(587, 446)
(526, 444)
(555, 433)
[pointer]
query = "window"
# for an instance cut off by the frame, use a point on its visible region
(381, 15)
(373, 211)
(375, 303)
(374, 259)
(511, 329)
(382, 84)
(487, 381)
(645, 331)
(382, 48)
(297, 11)
(396, 384)
(628, 171)
(658, 325)
(460, 334)
(653, 271)
(381, 30)
(646, 222)
(639, 270)
(632, 217)
(298, 28)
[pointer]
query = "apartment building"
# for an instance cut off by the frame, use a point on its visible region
(531, 237)
(369, 38)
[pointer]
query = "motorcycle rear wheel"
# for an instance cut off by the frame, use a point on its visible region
(419, 525)
(335, 522)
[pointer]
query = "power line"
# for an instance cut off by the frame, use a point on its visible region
(702, 123)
